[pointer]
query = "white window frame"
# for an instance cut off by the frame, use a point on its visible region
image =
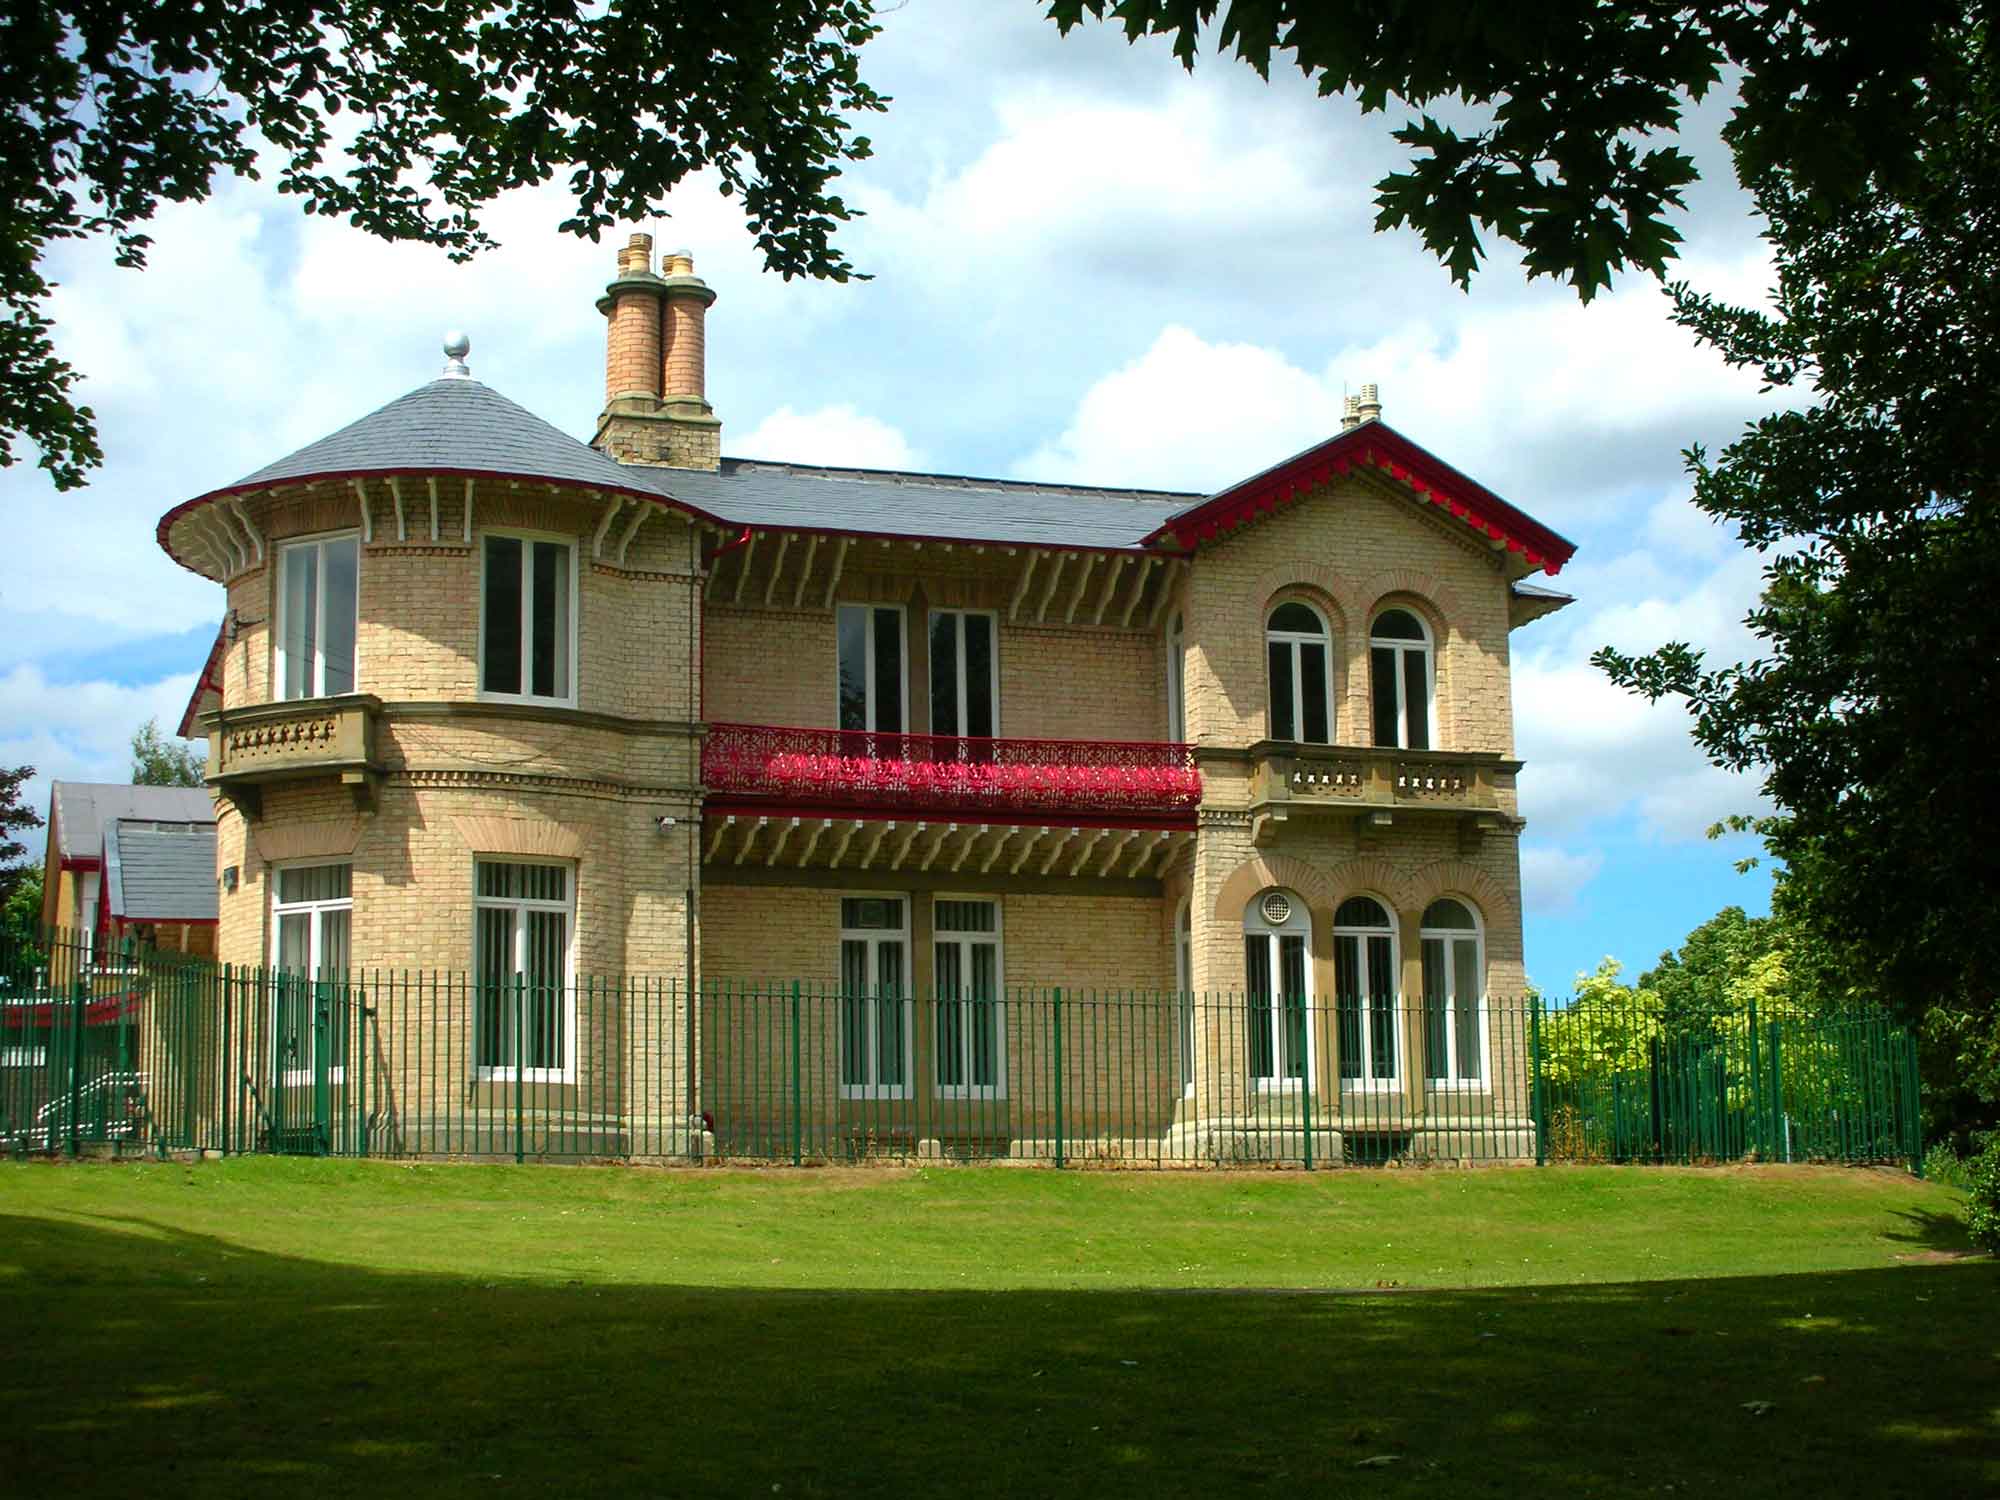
(1428, 648)
(1184, 1000)
(1482, 1082)
(1176, 680)
(1368, 1081)
(958, 640)
(1293, 640)
(315, 913)
(876, 937)
(868, 663)
(521, 906)
(279, 661)
(1299, 925)
(527, 539)
(967, 941)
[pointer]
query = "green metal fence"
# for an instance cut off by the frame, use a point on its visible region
(143, 1051)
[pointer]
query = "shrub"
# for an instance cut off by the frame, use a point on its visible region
(1982, 1197)
(1941, 1164)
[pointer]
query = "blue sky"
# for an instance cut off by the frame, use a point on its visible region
(1086, 266)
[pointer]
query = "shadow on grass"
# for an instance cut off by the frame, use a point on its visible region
(142, 1359)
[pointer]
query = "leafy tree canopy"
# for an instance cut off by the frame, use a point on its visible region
(159, 761)
(1879, 507)
(1562, 99)
(14, 820)
(404, 117)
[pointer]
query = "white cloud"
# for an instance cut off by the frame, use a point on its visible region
(838, 436)
(1185, 414)
(79, 731)
(1552, 879)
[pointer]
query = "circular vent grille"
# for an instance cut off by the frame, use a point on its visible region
(1277, 908)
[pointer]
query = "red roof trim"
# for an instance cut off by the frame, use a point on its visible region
(665, 502)
(211, 677)
(160, 532)
(1383, 449)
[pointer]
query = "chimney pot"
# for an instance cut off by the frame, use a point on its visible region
(1350, 413)
(1370, 405)
(637, 256)
(677, 263)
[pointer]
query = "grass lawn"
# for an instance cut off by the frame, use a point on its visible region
(370, 1328)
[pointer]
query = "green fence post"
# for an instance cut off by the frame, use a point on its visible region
(520, 1067)
(1538, 1094)
(1756, 1089)
(1781, 1146)
(79, 1005)
(1913, 1108)
(1056, 1025)
(1306, 1085)
(228, 1030)
(798, 1120)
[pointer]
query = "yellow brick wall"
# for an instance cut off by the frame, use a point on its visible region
(1351, 550)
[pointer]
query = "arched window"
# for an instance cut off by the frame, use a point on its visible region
(1176, 683)
(1454, 994)
(1400, 680)
(1184, 973)
(1301, 675)
(1276, 934)
(1364, 981)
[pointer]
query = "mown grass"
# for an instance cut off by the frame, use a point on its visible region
(367, 1328)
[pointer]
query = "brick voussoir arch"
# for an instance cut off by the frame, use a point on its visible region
(1372, 877)
(1435, 598)
(1454, 877)
(1332, 591)
(1262, 871)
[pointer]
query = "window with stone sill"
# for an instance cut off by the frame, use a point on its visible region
(527, 618)
(318, 617)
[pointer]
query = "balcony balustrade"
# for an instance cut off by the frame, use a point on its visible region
(990, 779)
(250, 747)
(1366, 779)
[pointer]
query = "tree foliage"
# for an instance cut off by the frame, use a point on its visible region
(14, 821)
(404, 117)
(159, 761)
(1546, 139)
(1878, 506)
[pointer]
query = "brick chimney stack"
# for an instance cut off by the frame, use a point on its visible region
(656, 407)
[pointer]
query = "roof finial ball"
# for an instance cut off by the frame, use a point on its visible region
(456, 347)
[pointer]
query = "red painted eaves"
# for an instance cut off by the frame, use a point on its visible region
(1382, 450)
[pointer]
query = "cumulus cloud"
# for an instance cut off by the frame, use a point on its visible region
(835, 435)
(1553, 878)
(79, 731)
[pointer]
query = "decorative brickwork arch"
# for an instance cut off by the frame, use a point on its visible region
(1315, 583)
(1370, 877)
(1261, 872)
(1426, 593)
(1454, 877)
(535, 839)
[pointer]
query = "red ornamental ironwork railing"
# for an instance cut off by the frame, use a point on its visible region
(945, 773)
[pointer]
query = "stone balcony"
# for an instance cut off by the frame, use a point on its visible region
(1378, 785)
(253, 746)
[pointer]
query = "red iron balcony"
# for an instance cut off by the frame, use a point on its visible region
(943, 775)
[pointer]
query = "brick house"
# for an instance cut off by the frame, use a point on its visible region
(489, 701)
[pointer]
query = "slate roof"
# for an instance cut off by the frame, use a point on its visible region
(82, 809)
(160, 871)
(451, 425)
(456, 425)
(944, 507)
